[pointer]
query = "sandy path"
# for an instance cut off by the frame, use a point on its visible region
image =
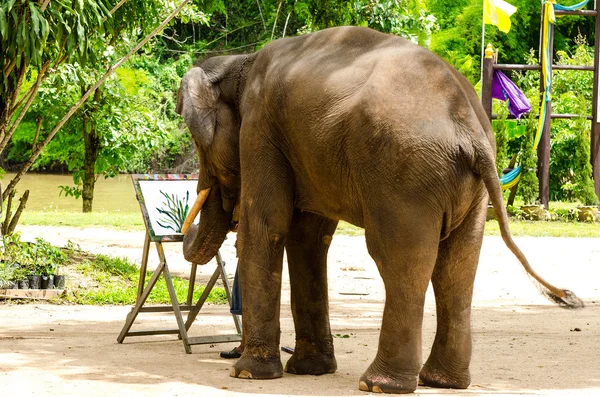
(522, 344)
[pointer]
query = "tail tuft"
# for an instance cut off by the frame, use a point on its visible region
(569, 301)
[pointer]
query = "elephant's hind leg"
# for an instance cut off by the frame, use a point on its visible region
(453, 277)
(404, 247)
(307, 244)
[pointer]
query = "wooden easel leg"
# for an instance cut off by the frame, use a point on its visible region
(174, 301)
(140, 302)
(144, 265)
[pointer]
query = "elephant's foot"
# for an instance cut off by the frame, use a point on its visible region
(436, 376)
(249, 368)
(387, 383)
(311, 364)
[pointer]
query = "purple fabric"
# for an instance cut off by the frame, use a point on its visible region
(505, 90)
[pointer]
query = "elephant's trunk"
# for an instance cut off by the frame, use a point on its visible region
(201, 242)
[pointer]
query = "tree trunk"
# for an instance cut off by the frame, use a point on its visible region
(4, 105)
(89, 175)
(92, 147)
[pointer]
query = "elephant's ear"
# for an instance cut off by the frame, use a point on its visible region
(197, 103)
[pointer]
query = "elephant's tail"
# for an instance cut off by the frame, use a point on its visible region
(485, 166)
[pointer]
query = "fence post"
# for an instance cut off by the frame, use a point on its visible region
(543, 165)
(486, 81)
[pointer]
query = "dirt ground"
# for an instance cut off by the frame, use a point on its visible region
(523, 345)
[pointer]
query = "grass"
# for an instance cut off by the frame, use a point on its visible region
(134, 221)
(517, 228)
(545, 229)
(115, 280)
(113, 220)
(115, 283)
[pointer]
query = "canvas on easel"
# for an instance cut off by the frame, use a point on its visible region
(165, 200)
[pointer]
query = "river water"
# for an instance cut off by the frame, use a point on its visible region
(112, 194)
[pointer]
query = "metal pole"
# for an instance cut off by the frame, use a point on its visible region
(482, 54)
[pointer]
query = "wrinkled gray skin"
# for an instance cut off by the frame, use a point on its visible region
(346, 124)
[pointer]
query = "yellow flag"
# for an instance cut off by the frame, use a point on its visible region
(498, 12)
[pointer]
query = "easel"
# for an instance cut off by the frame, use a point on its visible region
(163, 269)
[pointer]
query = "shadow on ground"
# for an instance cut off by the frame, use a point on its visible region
(72, 350)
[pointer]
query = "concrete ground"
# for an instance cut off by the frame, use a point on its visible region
(523, 345)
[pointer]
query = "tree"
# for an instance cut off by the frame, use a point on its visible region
(459, 38)
(36, 36)
(124, 125)
(39, 36)
(247, 25)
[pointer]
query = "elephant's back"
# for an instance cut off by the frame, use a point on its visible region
(340, 68)
(372, 111)
(322, 66)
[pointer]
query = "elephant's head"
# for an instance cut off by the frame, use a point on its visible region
(208, 102)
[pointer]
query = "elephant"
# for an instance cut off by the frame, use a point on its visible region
(349, 124)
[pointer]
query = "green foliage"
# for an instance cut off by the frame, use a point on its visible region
(48, 257)
(570, 168)
(33, 36)
(249, 24)
(459, 37)
(410, 19)
(529, 184)
(7, 273)
(114, 266)
(447, 11)
(84, 38)
(134, 119)
(460, 42)
(571, 171)
(12, 251)
(501, 127)
(39, 257)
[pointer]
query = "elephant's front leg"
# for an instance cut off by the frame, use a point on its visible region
(307, 244)
(266, 212)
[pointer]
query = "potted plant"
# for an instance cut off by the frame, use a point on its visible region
(20, 276)
(12, 258)
(29, 265)
(47, 278)
(57, 258)
(39, 253)
(6, 275)
(49, 259)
